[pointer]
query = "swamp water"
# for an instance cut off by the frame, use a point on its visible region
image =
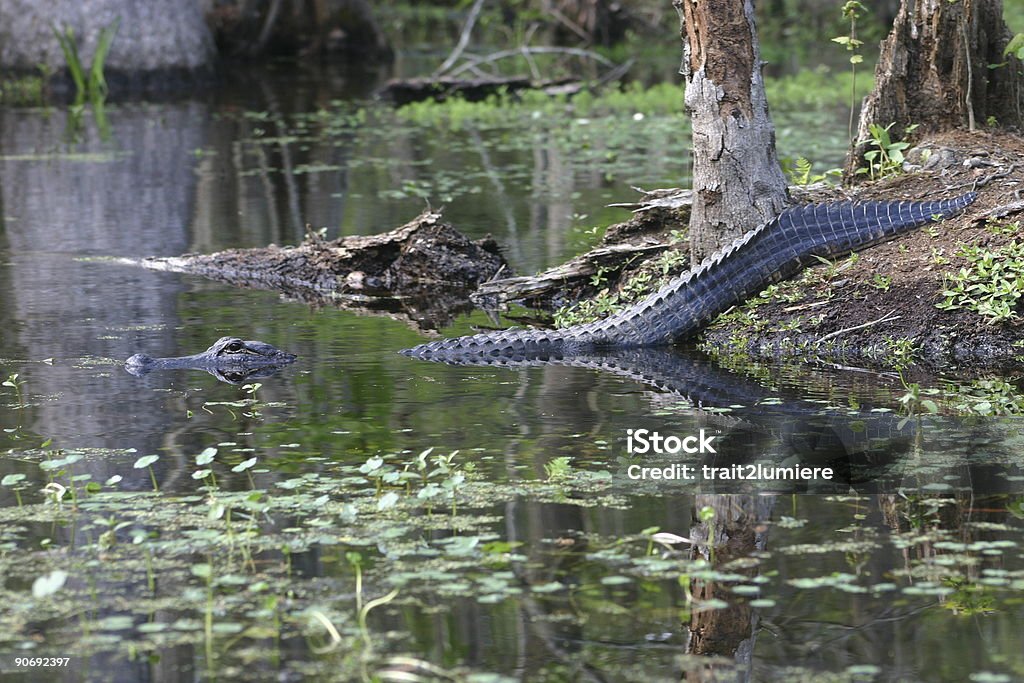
(361, 514)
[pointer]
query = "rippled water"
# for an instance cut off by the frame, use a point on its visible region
(196, 176)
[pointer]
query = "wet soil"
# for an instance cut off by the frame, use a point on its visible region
(876, 309)
(882, 310)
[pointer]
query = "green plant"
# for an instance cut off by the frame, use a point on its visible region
(800, 173)
(886, 159)
(13, 382)
(23, 90)
(990, 285)
(95, 84)
(986, 397)
(598, 277)
(938, 258)
(1003, 228)
(678, 236)
(15, 482)
(146, 462)
(1014, 47)
(852, 11)
(670, 261)
(899, 351)
(882, 282)
(912, 401)
(558, 468)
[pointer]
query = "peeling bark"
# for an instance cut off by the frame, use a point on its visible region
(737, 181)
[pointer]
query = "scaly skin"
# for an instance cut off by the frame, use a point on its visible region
(230, 359)
(770, 253)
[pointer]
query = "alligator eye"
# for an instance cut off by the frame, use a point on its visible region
(234, 347)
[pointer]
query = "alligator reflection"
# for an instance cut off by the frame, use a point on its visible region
(868, 450)
(229, 375)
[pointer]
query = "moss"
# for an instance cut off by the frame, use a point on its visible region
(22, 91)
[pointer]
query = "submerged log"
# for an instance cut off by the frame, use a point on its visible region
(405, 91)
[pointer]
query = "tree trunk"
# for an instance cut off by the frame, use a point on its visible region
(938, 70)
(737, 181)
(153, 37)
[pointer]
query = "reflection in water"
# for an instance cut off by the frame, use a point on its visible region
(866, 449)
(586, 600)
(131, 195)
(226, 373)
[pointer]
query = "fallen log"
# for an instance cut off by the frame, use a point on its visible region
(623, 250)
(425, 269)
(405, 91)
(558, 285)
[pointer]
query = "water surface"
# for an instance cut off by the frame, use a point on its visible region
(908, 566)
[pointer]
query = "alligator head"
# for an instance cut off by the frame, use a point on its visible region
(229, 359)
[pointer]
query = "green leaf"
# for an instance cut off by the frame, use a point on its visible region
(1015, 46)
(146, 461)
(206, 457)
(387, 501)
(48, 584)
(244, 465)
(372, 464)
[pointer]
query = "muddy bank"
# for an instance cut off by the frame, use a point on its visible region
(881, 307)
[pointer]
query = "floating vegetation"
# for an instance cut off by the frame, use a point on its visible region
(216, 564)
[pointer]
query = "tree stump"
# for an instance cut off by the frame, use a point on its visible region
(942, 67)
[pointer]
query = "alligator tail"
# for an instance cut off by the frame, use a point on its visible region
(768, 254)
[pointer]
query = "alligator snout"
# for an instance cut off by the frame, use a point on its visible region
(227, 357)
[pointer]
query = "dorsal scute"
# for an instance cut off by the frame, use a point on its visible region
(775, 249)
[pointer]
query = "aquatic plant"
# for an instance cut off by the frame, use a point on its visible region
(93, 85)
(23, 90)
(13, 382)
(146, 462)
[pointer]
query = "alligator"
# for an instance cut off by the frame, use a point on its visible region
(775, 251)
(230, 359)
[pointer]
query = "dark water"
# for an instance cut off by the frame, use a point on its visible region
(247, 170)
